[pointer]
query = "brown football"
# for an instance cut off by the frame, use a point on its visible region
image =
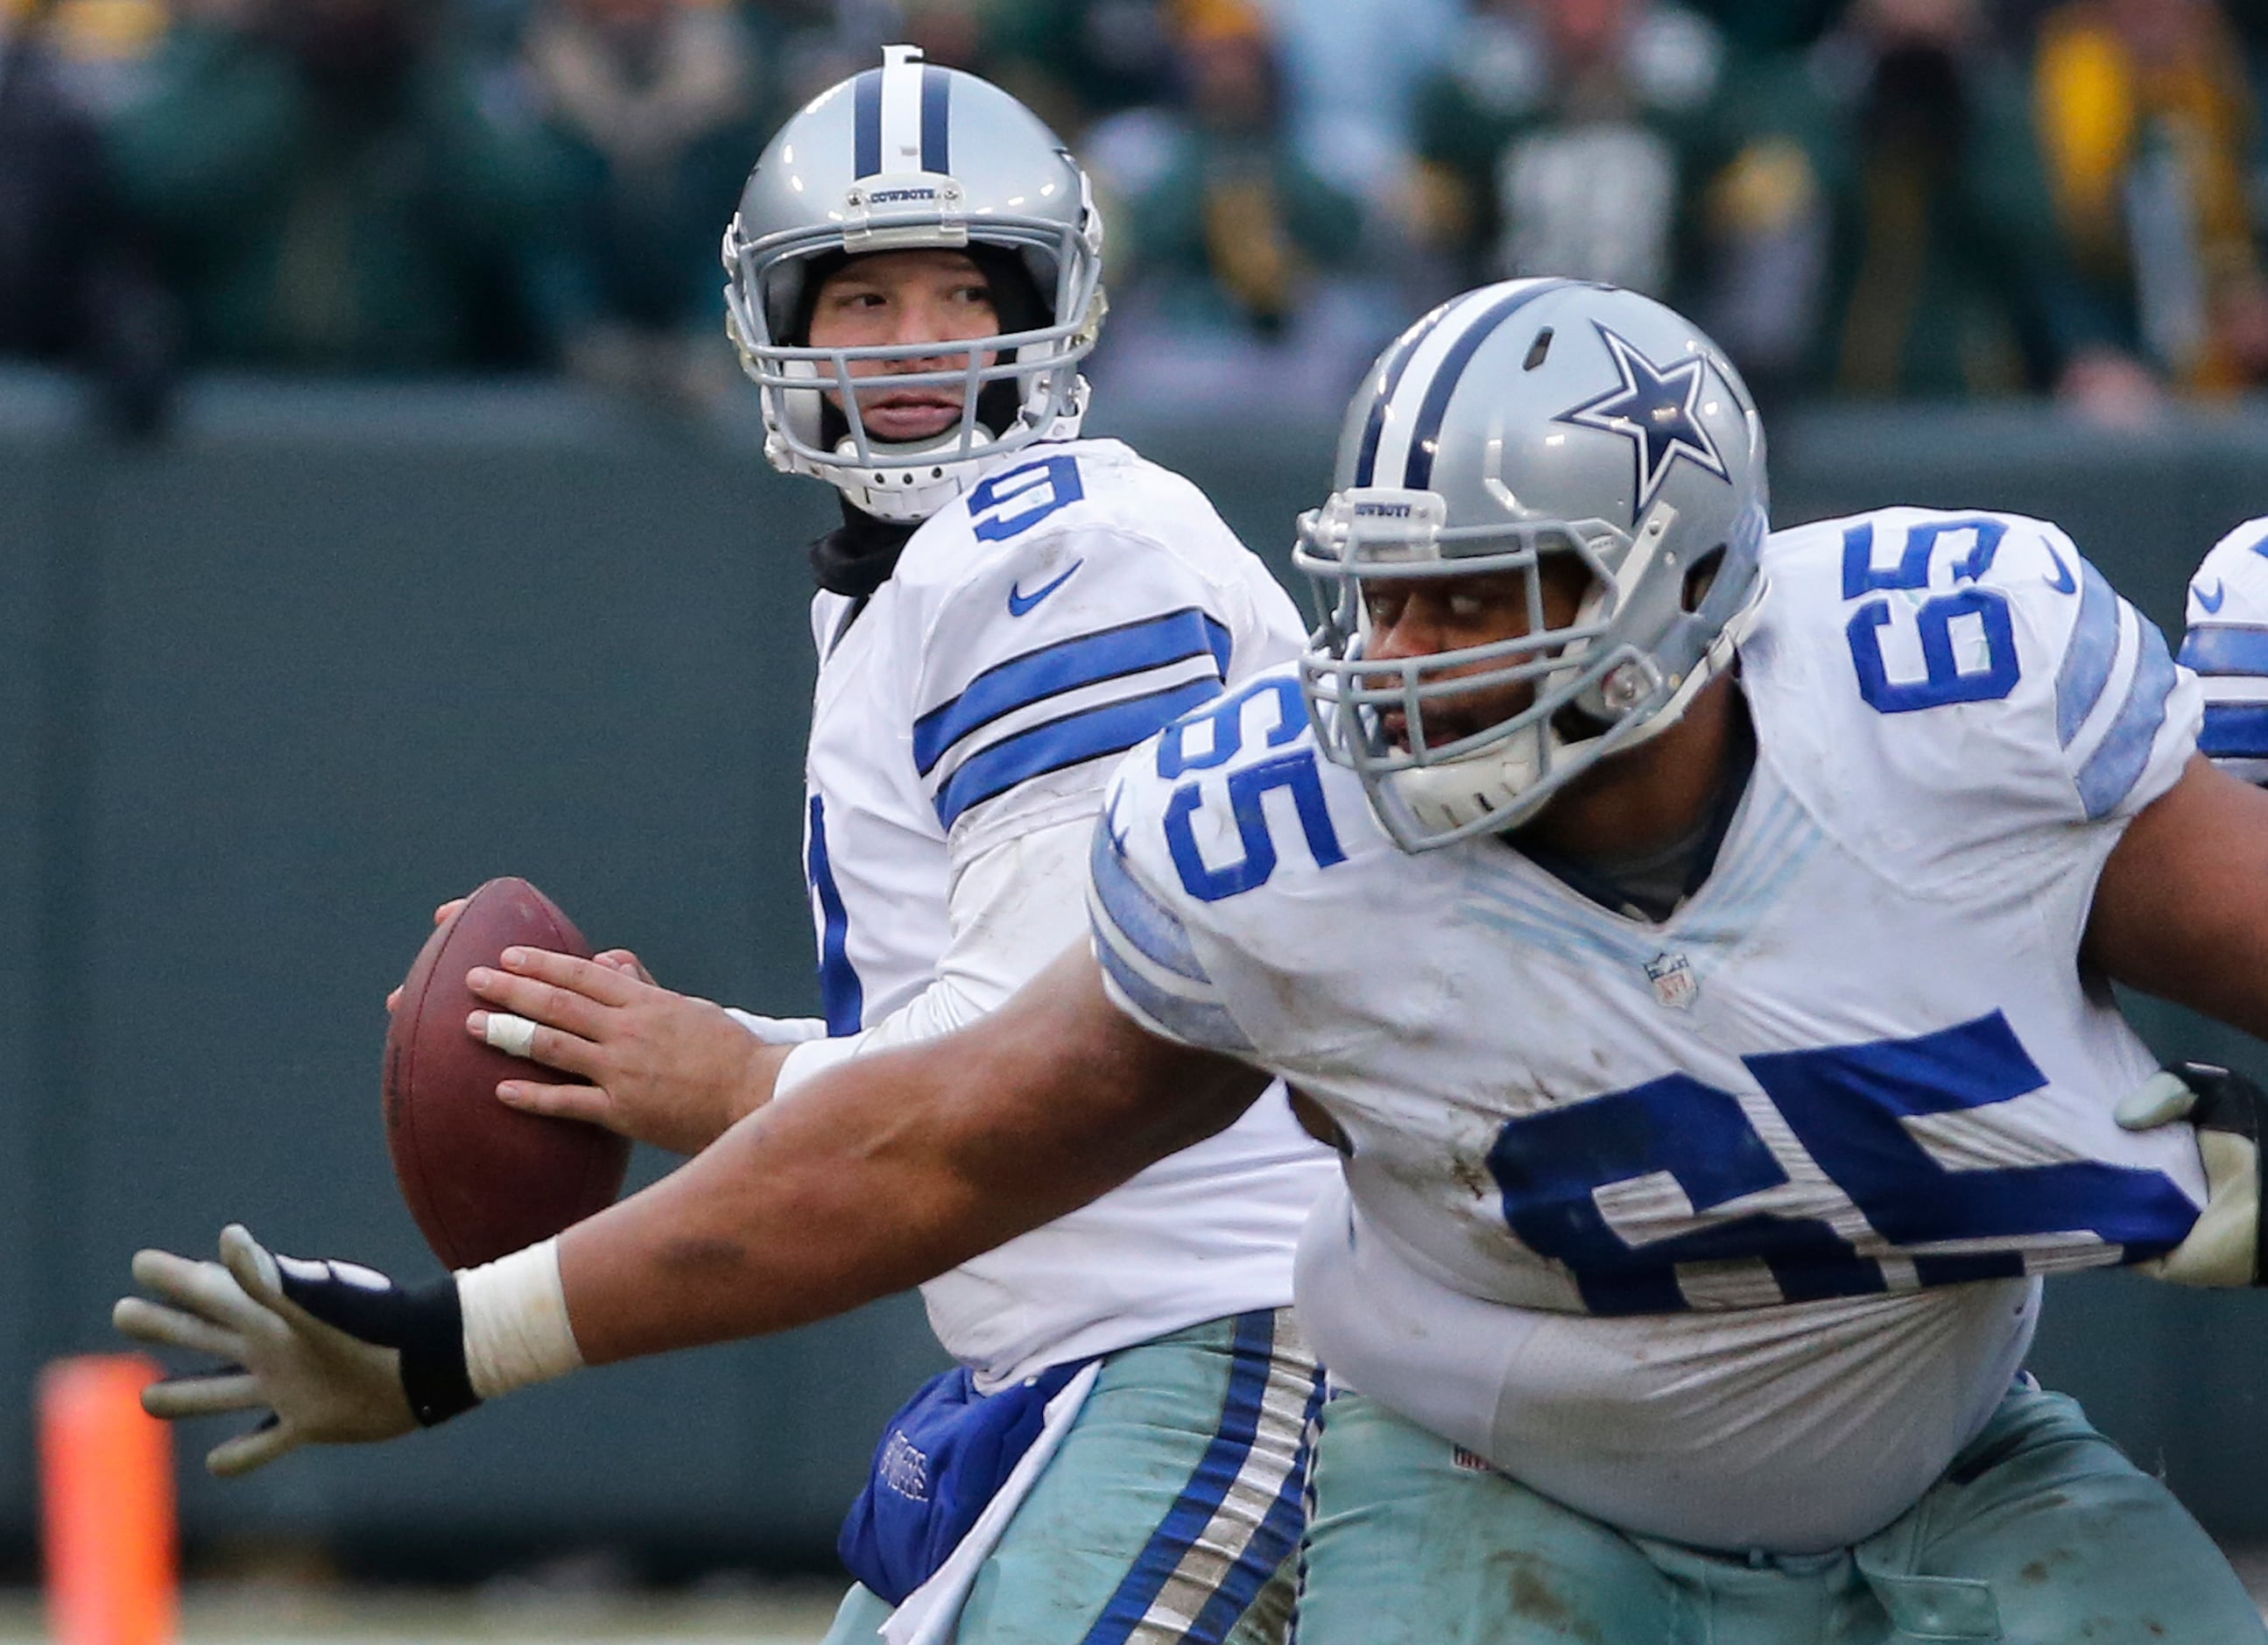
(483, 1179)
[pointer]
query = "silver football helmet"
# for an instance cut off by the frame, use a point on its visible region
(1523, 420)
(911, 155)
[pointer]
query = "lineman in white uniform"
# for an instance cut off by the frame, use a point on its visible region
(1698, 944)
(2227, 645)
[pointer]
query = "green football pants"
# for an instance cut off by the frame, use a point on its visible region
(2041, 1532)
(1169, 1514)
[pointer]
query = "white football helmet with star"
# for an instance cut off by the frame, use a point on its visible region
(1531, 418)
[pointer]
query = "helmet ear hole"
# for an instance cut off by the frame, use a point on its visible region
(1700, 578)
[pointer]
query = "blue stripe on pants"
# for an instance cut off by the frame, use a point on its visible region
(1208, 1486)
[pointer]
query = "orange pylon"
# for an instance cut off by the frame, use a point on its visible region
(107, 1490)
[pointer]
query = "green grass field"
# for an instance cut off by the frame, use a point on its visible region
(257, 1614)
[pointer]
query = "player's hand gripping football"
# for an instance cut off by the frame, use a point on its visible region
(663, 1067)
(2227, 1110)
(332, 1354)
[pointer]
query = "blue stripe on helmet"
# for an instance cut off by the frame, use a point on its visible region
(936, 100)
(866, 123)
(1417, 472)
(1374, 429)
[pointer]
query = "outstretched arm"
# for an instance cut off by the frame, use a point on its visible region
(893, 1169)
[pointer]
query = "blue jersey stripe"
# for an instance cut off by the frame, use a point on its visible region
(1206, 1026)
(1208, 1487)
(2226, 648)
(935, 101)
(1273, 1543)
(1375, 429)
(2234, 731)
(866, 123)
(1417, 472)
(2117, 763)
(1066, 666)
(841, 999)
(1112, 728)
(1140, 918)
(2087, 660)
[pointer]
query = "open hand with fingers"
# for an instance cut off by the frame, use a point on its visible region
(663, 1067)
(328, 1353)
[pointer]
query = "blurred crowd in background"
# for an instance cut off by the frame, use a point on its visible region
(1859, 198)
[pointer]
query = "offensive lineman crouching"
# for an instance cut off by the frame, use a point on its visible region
(1699, 940)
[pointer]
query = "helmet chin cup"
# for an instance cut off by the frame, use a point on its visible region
(1486, 788)
(903, 489)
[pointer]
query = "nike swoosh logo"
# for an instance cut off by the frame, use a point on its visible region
(2062, 582)
(1019, 602)
(2210, 602)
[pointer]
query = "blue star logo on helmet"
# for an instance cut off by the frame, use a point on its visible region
(1656, 408)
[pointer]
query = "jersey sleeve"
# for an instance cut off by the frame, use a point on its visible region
(1052, 658)
(1963, 697)
(2126, 718)
(1014, 908)
(1146, 950)
(2227, 645)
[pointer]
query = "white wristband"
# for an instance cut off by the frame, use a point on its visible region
(516, 1326)
(778, 1030)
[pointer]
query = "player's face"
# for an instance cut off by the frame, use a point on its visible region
(905, 297)
(1421, 616)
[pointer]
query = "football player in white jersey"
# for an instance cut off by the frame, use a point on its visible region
(2227, 645)
(1697, 943)
(1006, 609)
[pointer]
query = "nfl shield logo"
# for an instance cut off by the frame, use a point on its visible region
(1672, 979)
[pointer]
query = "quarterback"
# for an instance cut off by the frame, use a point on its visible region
(1005, 608)
(1696, 943)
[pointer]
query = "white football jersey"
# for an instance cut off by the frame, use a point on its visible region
(1068, 605)
(2227, 645)
(1724, 1228)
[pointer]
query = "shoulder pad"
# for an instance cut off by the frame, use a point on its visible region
(1972, 666)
